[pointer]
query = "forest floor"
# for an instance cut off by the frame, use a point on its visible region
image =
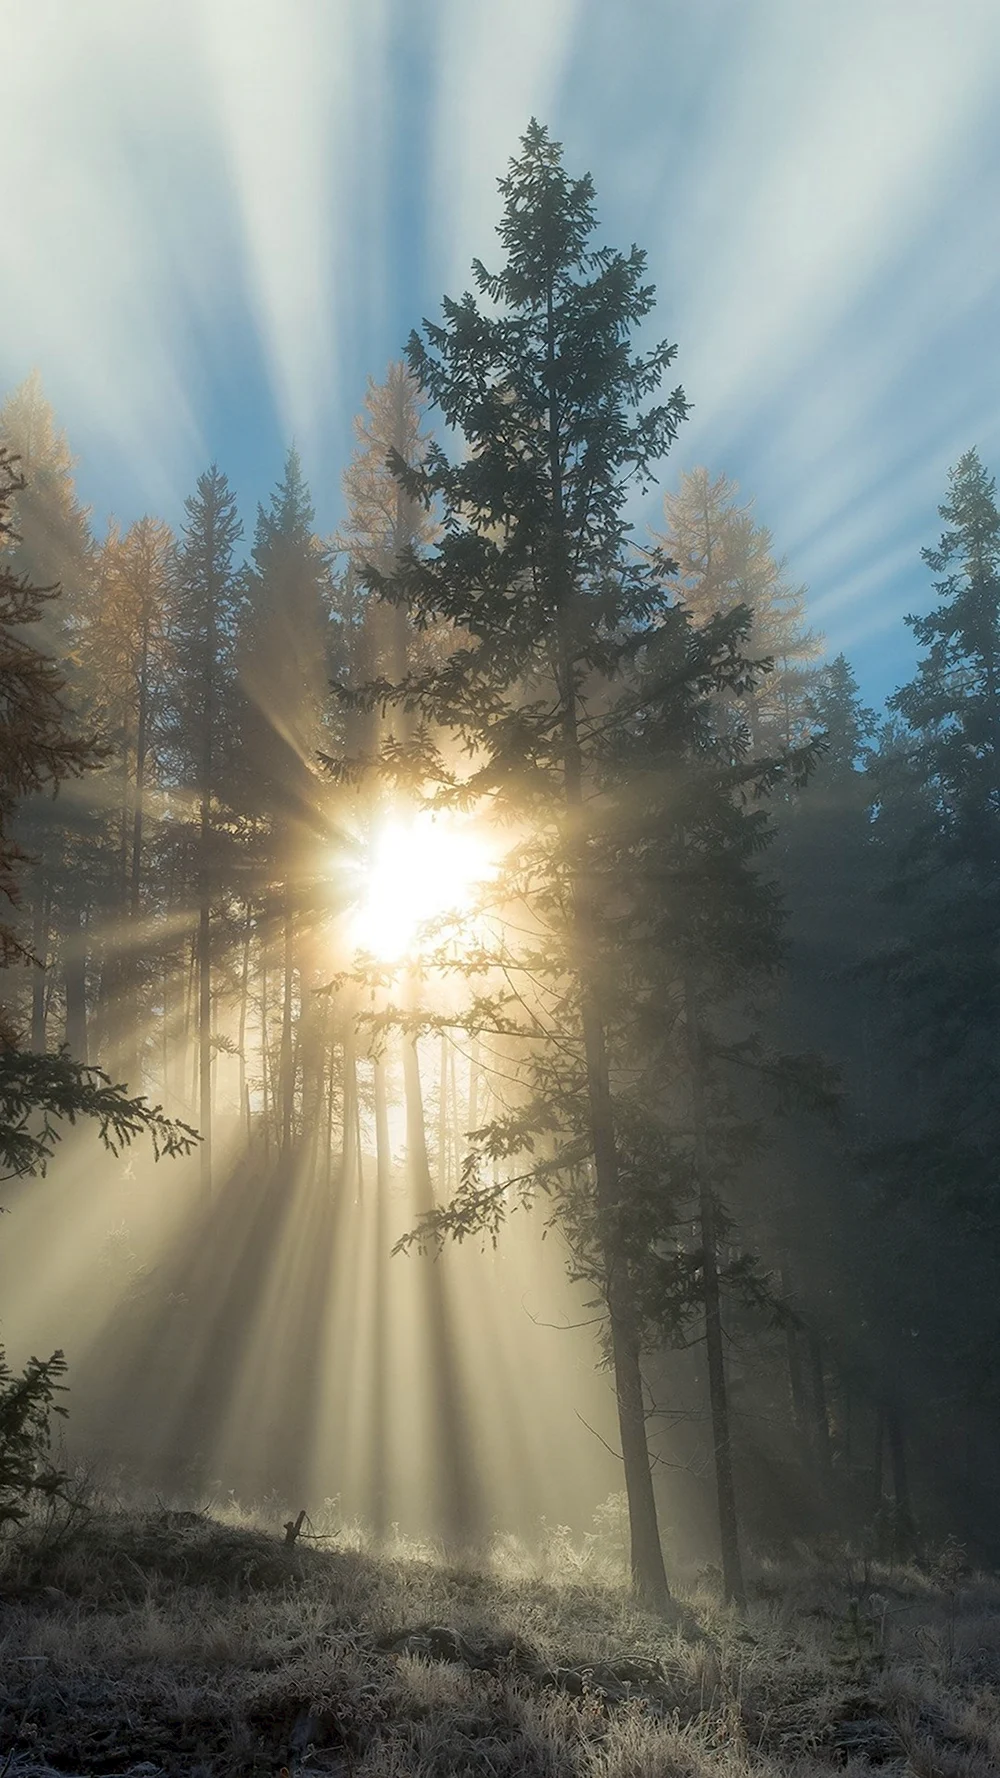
(162, 1642)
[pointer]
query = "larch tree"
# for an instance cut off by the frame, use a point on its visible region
(725, 560)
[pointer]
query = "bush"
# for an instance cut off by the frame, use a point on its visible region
(27, 1403)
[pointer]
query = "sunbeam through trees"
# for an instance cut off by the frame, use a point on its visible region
(564, 1017)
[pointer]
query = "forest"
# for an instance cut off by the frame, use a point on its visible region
(542, 1024)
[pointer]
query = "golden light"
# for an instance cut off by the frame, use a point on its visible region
(419, 868)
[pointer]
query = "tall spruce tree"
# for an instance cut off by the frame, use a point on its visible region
(933, 1145)
(945, 972)
(576, 692)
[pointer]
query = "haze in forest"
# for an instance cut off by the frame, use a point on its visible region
(509, 801)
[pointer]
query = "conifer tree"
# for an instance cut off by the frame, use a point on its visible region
(209, 603)
(936, 836)
(383, 522)
(125, 651)
(284, 672)
(38, 752)
(725, 560)
(946, 971)
(53, 547)
(577, 692)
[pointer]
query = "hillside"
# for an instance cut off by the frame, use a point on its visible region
(166, 1642)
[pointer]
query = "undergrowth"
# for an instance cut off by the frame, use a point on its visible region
(196, 1642)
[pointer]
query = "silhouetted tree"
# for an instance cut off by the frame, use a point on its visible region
(578, 692)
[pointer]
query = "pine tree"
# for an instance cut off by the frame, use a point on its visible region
(577, 693)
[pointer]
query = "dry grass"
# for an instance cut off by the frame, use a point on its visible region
(142, 1642)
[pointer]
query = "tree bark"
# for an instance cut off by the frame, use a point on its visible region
(286, 1066)
(244, 1002)
(796, 1381)
(205, 1046)
(416, 1133)
(732, 1567)
(903, 1512)
(877, 1460)
(383, 1154)
(265, 1068)
(40, 947)
(820, 1414)
(350, 1156)
(75, 970)
(474, 1084)
(443, 1132)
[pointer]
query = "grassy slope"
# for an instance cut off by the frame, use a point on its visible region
(143, 1643)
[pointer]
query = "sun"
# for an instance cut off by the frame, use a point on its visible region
(418, 867)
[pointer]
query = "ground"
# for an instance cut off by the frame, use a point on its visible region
(157, 1641)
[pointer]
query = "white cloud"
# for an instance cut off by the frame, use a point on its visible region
(204, 194)
(497, 66)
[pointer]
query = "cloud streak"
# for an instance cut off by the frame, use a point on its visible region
(204, 249)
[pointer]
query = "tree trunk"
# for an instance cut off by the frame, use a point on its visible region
(732, 1567)
(205, 1045)
(75, 968)
(244, 1002)
(796, 1382)
(383, 1152)
(442, 1156)
(877, 1460)
(329, 1102)
(474, 1084)
(416, 1134)
(379, 1407)
(820, 1415)
(903, 1513)
(265, 1069)
(40, 947)
(286, 1063)
(350, 1156)
(205, 1096)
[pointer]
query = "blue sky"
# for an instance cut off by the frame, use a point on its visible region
(220, 216)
